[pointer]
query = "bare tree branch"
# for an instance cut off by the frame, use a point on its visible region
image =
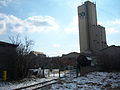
(23, 50)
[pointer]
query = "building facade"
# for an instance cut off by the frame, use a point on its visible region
(8, 56)
(92, 36)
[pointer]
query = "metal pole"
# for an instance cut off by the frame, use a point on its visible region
(4, 75)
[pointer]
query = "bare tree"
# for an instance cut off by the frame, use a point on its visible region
(23, 59)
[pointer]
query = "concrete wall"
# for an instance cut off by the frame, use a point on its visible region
(97, 38)
(92, 36)
(91, 13)
(87, 17)
(83, 28)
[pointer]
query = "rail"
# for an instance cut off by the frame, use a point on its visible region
(38, 85)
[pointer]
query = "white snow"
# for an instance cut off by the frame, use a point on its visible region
(28, 81)
(92, 81)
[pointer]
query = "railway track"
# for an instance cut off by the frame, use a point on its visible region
(38, 85)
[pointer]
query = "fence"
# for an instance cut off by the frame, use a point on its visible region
(52, 72)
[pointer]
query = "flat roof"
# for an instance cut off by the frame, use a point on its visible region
(7, 44)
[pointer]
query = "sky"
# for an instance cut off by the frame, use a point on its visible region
(53, 24)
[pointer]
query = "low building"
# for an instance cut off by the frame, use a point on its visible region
(7, 59)
(70, 58)
(111, 50)
(71, 55)
(37, 59)
(109, 58)
(35, 53)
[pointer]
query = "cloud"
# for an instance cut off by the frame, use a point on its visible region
(111, 30)
(2, 27)
(57, 52)
(117, 21)
(71, 3)
(111, 26)
(41, 23)
(30, 24)
(73, 26)
(5, 2)
(114, 42)
(56, 45)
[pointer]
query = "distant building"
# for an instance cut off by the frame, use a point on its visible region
(71, 55)
(7, 59)
(37, 59)
(112, 50)
(109, 57)
(92, 36)
(70, 58)
(35, 53)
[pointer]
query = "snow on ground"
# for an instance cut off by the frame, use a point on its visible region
(92, 81)
(22, 83)
(26, 82)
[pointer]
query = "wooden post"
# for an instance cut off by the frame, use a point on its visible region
(49, 73)
(77, 72)
(43, 72)
(59, 73)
